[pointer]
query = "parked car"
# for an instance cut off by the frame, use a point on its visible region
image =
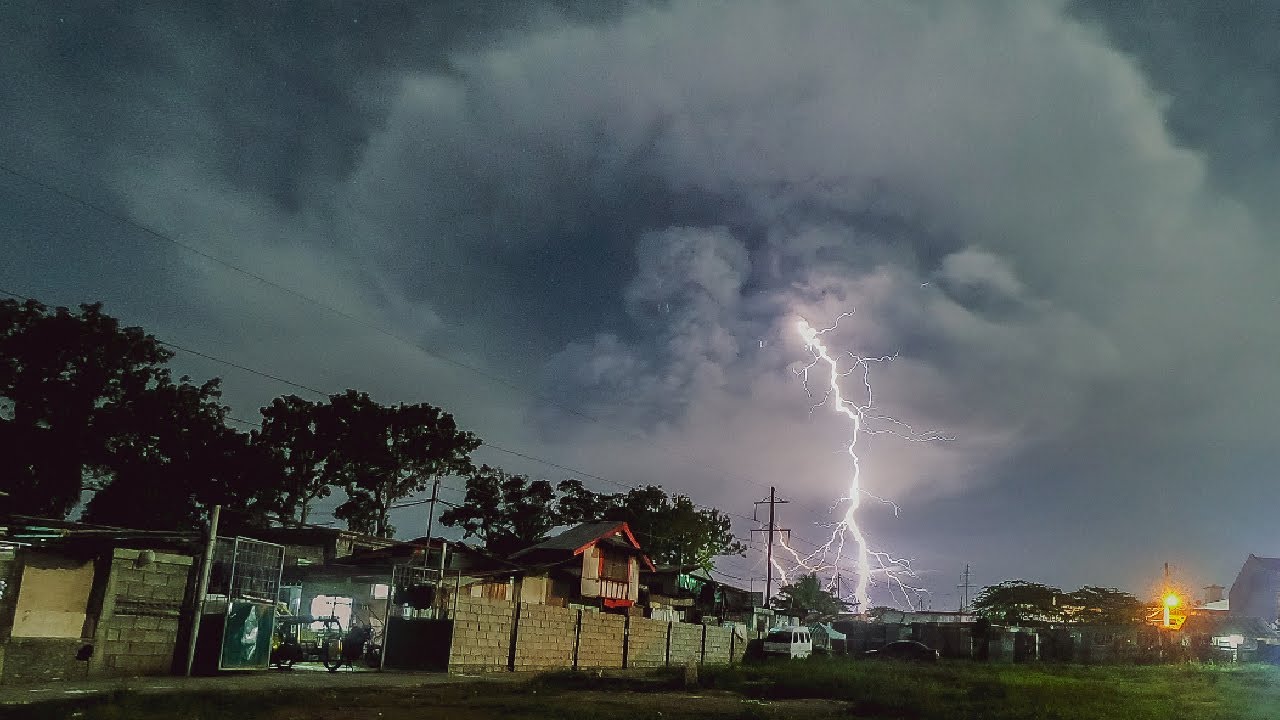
(905, 650)
(790, 642)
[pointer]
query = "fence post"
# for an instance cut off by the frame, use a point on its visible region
(516, 588)
(626, 639)
(702, 652)
(577, 639)
(733, 644)
(667, 662)
(202, 587)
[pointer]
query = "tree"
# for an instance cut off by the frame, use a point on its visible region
(293, 432)
(512, 511)
(61, 374)
(1103, 606)
(806, 596)
(671, 528)
(173, 458)
(384, 454)
(505, 511)
(1018, 602)
(675, 531)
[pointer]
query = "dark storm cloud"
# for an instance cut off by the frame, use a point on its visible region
(628, 209)
(1220, 68)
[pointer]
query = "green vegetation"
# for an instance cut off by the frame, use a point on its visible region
(806, 596)
(812, 690)
(509, 512)
(1018, 602)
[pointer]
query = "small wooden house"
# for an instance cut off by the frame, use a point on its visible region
(593, 564)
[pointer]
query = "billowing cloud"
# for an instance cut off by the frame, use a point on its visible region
(623, 213)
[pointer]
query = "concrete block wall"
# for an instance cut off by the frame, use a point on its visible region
(36, 660)
(138, 630)
(481, 635)
(544, 637)
(686, 643)
(137, 645)
(647, 646)
(601, 640)
(721, 647)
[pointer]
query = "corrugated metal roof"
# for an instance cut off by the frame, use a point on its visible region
(577, 536)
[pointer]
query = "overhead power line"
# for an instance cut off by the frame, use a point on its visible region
(322, 394)
(164, 237)
(160, 236)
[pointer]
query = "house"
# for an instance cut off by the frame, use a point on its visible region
(415, 579)
(82, 601)
(1210, 635)
(312, 545)
(594, 564)
(1256, 591)
(688, 593)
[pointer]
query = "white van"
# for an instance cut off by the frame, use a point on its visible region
(790, 642)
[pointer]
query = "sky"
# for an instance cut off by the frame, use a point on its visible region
(588, 230)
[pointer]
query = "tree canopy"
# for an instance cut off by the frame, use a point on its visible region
(671, 528)
(62, 375)
(806, 596)
(172, 448)
(386, 453)
(505, 511)
(87, 405)
(293, 434)
(1018, 602)
(510, 511)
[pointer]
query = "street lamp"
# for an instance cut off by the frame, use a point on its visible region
(1170, 602)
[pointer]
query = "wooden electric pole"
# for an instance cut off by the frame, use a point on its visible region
(771, 529)
(964, 588)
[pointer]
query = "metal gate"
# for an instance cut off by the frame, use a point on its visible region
(413, 638)
(247, 573)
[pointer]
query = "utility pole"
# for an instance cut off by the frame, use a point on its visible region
(771, 502)
(431, 517)
(431, 514)
(964, 588)
(202, 586)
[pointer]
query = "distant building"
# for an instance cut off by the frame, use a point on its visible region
(1256, 591)
(311, 545)
(1213, 594)
(909, 617)
(80, 601)
(1215, 600)
(595, 563)
(687, 593)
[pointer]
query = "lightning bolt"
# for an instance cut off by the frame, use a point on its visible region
(864, 418)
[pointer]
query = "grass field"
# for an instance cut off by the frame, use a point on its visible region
(813, 690)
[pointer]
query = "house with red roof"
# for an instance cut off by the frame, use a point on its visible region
(592, 564)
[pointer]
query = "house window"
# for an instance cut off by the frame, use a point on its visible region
(323, 606)
(615, 567)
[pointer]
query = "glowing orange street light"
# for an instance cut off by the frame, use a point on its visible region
(1170, 601)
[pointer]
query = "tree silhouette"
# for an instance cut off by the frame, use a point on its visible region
(806, 596)
(294, 434)
(67, 380)
(384, 454)
(172, 458)
(506, 512)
